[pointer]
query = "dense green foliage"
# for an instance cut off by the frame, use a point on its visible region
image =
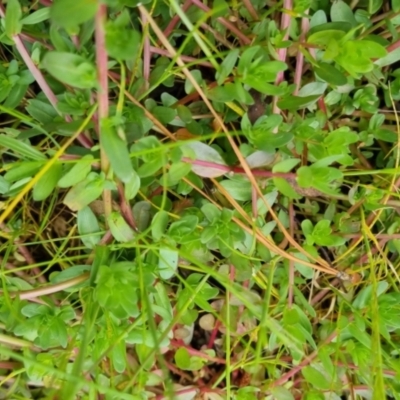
(199, 199)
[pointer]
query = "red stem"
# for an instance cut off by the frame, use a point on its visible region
(174, 21)
(239, 170)
(300, 57)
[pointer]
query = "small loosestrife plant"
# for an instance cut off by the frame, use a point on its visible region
(199, 200)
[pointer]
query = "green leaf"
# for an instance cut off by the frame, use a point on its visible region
(37, 16)
(364, 297)
(286, 165)
(41, 111)
(149, 168)
(304, 270)
(23, 170)
(285, 188)
(389, 59)
(13, 18)
(246, 59)
(211, 212)
(360, 334)
(226, 66)
(260, 159)
(116, 151)
(223, 93)
(119, 228)
(46, 184)
(84, 192)
(238, 187)
(324, 34)
(77, 173)
(374, 6)
(118, 356)
(88, 227)
(141, 212)
(376, 121)
(322, 235)
(167, 262)
(371, 49)
(258, 76)
(20, 147)
(386, 135)
(4, 185)
(196, 74)
(269, 141)
(316, 378)
(281, 393)
(337, 141)
(341, 12)
(181, 228)
(318, 177)
(177, 171)
(132, 186)
(71, 69)
(297, 102)
(330, 74)
(182, 358)
(70, 273)
(70, 13)
(159, 225)
(122, 43)
(14, 98)
(112, 287)
(312, 88)
(318, 18)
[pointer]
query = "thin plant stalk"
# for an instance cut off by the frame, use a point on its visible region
(102, 94)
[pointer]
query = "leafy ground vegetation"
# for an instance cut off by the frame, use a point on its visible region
(200, 199)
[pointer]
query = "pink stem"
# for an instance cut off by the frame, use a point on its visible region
(101, 60)
(36, 73)
(170, 27)
(239, 170)
(285, 23)
(300, 57)
(393, 46)
(146, 52)
(214, 334)
(248, 4)
(126, 209)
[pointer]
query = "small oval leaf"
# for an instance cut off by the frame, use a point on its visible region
(47, 183)
(88, 227)
(71, 69)
(116, 151)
